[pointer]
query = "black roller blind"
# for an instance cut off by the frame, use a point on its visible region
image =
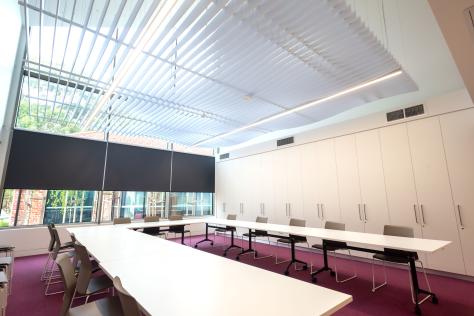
(44, 161)
(131, 168)
(192, 173)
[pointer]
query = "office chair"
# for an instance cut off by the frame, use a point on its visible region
(397, 256)
(51, 248)
(153, 231)
(178, 229)
(259, 233)
(3, 293)
(128, 302)
(87, 284)
(333, 246)
(297, 239)
(109, 306)
(224, 230)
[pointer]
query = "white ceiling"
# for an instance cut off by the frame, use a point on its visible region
(214, 66)
(409, 31)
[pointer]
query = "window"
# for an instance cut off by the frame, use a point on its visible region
(191, 203)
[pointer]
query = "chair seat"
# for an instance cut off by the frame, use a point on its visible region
(98, 284)
(3, 277)
(225, 229)
(328, 248)
(68, 244)
(256, 234)
(390, 258)
(284, 240)
(105, 306)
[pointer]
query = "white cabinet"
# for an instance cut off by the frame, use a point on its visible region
(435, 203)
(349, 187)
(372, 185)
(288, 197)
(458, 135)
(326, 182)
(399, 181)
(264, 186)
(309, 180)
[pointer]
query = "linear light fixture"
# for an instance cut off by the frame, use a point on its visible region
(303, 106)
(155, 21)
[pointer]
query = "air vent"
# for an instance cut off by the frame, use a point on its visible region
(224, 156)
(395, 115)
(414, 110)
(285, 141)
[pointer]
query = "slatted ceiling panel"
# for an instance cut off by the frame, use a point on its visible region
(189, 82)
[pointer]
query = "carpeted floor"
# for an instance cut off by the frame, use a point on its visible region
(456, 297)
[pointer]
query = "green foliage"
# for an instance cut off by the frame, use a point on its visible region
(47, 120)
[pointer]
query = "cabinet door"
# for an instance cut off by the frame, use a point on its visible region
(434, 193)
(311, 209)
(372, 184)
(247, 184)
(264, 189)
(458, 135)
(348, 179)
(326, 181)
(293, 184)
(399, 181)
(280, 202)
(233, 194)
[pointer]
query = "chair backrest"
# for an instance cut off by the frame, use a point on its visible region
(335, 225)
(175, 217)
(122, 220)
(128, 302)
(261, 219)
(57, 243)
(85, 269)
(153, 218)
(231, 217)
(299, 223)
(67, 272)
(401, 231)
(176, 228)
(151, 230)
(51, 235)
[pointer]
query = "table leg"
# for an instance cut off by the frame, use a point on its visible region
(250, 249)
(232, 245)
(325, 267)
(416, 288)
(206, 238)
(293, 258)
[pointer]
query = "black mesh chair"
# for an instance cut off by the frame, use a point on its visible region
(297, 239)
(333, 246)
(398, 257)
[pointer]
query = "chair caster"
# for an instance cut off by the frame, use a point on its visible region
(287, 273)
(417, 310)
(195, 246)
(314, 280)
(224, 254)
(434, 299)
(332, 273)
(305, 268)
(212, 243)
(237, 258)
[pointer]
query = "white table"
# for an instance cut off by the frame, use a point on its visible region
(171, 279)
(363, 242)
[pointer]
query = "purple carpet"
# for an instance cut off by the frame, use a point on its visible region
(456, 297)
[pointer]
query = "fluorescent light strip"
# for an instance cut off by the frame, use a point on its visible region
(158, 17)
(302, 107)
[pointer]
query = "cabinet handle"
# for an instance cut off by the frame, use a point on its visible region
(322, 211)
(460, 217)
(422, 215)
(365, 213)
(416, 216)
(223, 207)
(263, 208)
(286, 209)
(317, 205)
(289, 209)
(360, 216)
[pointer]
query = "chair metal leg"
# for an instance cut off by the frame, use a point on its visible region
(45, 268)
(376, 287)
(353, 276)
(276, 256)
(295, 265)
(255, 253)
(49, 283)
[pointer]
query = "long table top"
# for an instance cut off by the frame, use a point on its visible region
(361, 239)
(167, 278)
